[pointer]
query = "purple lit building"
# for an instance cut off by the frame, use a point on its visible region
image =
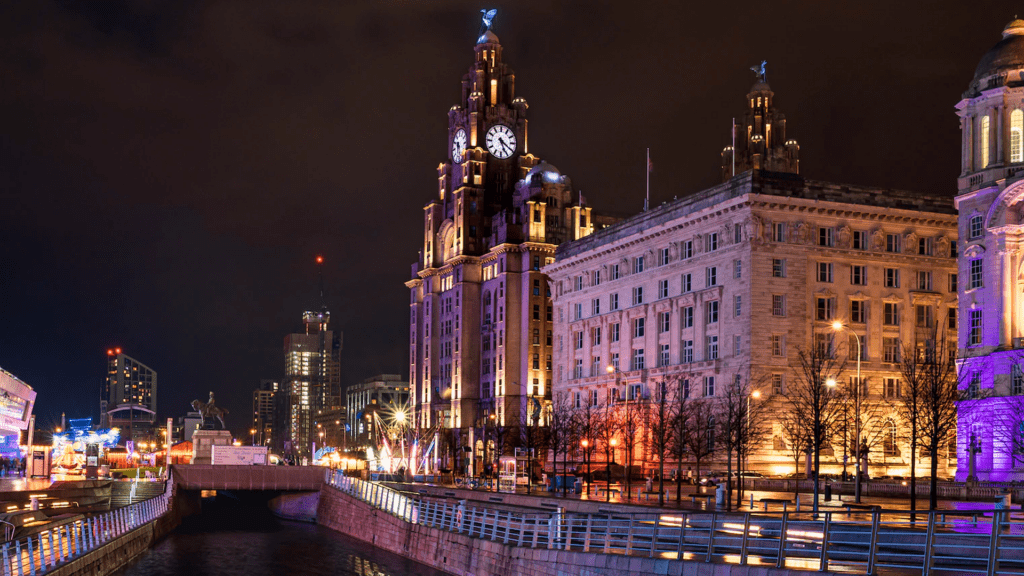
(991, 330)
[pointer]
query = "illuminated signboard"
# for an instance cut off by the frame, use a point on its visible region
(16, 401)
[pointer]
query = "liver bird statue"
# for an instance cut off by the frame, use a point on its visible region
(759, 69)
(488, 17)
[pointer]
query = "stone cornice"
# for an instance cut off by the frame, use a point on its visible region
(858, 211)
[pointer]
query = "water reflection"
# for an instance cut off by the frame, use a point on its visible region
(237, 538)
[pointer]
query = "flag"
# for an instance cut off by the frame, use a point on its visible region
(650, 165)
(583, 201)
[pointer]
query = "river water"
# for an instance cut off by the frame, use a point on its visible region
(242, 538)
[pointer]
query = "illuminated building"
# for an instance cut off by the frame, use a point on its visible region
(312, 382)
(991, 190)
(383, 395)
(16, 402)
(480, 309)
(129, 399)
(263, 410)
(733, 281)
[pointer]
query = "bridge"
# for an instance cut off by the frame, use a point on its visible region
(261, 478)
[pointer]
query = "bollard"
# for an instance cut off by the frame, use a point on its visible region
(828, 492)
(751, 500)
(797, 501)
(720, 495)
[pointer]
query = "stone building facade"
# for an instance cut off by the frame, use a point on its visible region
(480, 324)
(733, 281)
(990, 194)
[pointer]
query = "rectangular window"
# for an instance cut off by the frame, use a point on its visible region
(663, 257)
(578, 370)
(687, 319)
(595, 306)
(711, 312)
(824, 271)
(709, 385)
(577, 311)
(738, 305)
(687, 283)
(615, 361)
(891, 314)
(687, 352)
(951, 318)
(686, 249)
(578, 339)
(663, 356)
(975, 229)
(737, 268)
(858, 311)
(638, 295)
(952, 283)
(613, 302)
(711, 348)
(953, 249)
(778, 268)
(891, 387)
(892, 278)
(639, 327)
(976, 278)
(825, 344)
(826, 308)
(638, 360)
(779, 232)
(778, 384)
(595, 335)
(924, 246)
(737, 345)
(711, 276)
(711, 242)
(892, 243)
(614, 336)
(974, 335)
(924, 280)
(596, 278)
(860, 240)
(778, 345)
(924, 316)
(891, 350)
(1017, 381)
(737, 233)
(825, 237)
(778, 304)
(578, 283)
(859, 275)
(664, 321)
(638, 264)
(662, 289)
(615, 272)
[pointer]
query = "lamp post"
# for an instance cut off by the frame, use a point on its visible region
(610, 446)
(252, 435)
(838, 326)
(586, 461)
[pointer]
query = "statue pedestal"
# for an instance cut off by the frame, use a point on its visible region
(203, 442)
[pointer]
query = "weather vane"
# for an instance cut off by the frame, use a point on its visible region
(759, 69)
(488, 17)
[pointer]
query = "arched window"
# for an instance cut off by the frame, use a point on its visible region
(1016, 135)
(889, 438)
(984, 141)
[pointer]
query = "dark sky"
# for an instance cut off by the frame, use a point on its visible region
(169, 168)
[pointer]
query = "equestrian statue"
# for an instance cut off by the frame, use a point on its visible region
(209, 411)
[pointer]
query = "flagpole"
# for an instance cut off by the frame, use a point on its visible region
(647, 202)
(734, 146)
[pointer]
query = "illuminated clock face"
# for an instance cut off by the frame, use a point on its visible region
(459, 145)
(501, 141)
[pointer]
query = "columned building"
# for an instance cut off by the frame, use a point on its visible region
(731, 283)
(991, 206)
(480, 309)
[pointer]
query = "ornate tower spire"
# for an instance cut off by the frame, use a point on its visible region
(760, 135)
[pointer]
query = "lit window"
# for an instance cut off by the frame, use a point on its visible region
(984, 141)
(975, 229)
(1016, 133)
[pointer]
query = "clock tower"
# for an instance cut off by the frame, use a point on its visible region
(481, 317)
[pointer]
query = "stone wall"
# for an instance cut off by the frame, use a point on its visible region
(465, 556)
(121, 551)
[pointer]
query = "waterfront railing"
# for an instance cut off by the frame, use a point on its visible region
(44, 551)
(873, 541)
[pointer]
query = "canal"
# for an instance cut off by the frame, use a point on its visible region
(242, 538)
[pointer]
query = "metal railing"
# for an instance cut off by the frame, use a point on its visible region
(979, 542)
(42, 552)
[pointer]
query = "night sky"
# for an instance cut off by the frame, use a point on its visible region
(170, 168)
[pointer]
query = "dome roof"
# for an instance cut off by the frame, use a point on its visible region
(543, 173)
(1007, 54)
(487, 38)
(760, 86)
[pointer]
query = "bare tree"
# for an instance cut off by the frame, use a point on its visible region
(661, 420)
(629, 419)
(813, 396)
(742, 424)
(679, 394)
(560, 434)
(607, 432)
(940, 382)
(587, 423)
(534, 437)
(913, 367)
(698, 432)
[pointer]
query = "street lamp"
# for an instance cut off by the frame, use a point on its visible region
(252, 435)
(612, 442)
(838, 326)
(586, 461)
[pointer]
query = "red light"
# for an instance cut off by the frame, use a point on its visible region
(118, 350)
(110, 352)
(319, 259)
